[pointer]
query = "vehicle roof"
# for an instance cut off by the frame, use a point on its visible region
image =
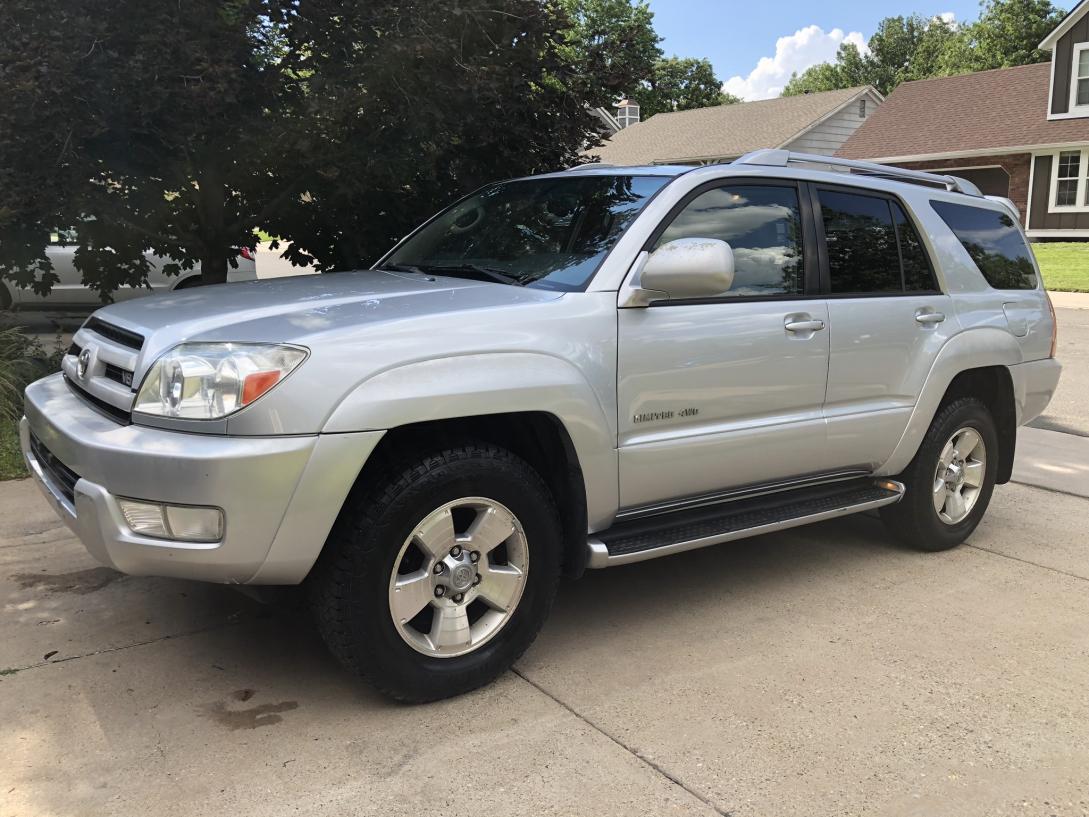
(601, 169)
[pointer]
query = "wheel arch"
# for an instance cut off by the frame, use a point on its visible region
(538, 437)
(973, 363)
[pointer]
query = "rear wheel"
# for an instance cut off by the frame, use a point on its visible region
(439, 575)
(950, 481)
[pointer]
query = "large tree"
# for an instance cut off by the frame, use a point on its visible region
(680, 84)
(144, 125)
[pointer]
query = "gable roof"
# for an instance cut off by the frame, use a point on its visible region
(966, 114)
(1067, 23)
(723, 131)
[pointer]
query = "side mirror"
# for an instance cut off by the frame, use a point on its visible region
(690, 268)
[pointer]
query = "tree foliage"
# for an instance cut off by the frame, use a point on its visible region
(681, 84)
(913, 47)
(180, 127)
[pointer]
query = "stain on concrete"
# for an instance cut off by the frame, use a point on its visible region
(79, 582)
(226, 714)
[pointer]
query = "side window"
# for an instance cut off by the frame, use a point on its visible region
(918, 275)
(861, 240)
(992, 239)
(763, 225)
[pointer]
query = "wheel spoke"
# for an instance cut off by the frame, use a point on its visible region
(490, 529)
(436, 534)
(411, 593)
(973, 474)
(955, 506)
(940, 494)
(947, 456)
(499, 585)
(967, 443)
(450, 627)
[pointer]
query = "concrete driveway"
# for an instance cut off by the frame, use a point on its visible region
(823, 671)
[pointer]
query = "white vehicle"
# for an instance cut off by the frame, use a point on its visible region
(70, 291)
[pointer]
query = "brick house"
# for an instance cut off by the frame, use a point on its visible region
(1022, 132)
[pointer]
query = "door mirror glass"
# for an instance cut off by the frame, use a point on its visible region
(690, 268)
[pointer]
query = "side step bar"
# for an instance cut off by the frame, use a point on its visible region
(666, 534)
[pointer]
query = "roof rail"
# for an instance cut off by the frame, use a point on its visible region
(783, 158)
(588, 166)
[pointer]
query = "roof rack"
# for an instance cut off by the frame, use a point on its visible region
(783, 158)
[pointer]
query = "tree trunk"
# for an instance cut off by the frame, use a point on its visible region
(213, 266)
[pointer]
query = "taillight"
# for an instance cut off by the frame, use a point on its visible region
(246, 253)
(1054, 326)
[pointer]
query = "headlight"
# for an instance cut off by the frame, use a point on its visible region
(206, 381)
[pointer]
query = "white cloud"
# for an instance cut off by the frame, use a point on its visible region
(949, 17)
(802, 49)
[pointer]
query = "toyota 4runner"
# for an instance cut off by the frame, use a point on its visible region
(579, 369)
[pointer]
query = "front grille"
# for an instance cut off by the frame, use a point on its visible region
(113, 412)
(118, 375)
(115, 333)
(60, 474)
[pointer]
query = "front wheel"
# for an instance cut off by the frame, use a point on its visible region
(437, 578)
(950, 481)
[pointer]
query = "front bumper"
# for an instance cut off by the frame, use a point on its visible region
(280, 495)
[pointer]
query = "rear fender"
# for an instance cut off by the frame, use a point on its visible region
(972, 349)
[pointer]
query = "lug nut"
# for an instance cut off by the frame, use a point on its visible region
(455, 551)
(476, 580)
(458, 597)
(440, 591)
(474, 557)
(440, 567)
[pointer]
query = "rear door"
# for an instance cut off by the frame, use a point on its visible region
(887, 320)
(725, 392)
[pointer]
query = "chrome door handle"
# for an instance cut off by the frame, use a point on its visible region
(803, 326)
(929, 317)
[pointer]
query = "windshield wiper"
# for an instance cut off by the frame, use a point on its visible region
(402, 268)
(474, 270)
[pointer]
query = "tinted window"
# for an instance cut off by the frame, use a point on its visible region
(994, 242)
(918, 276)
(861, 241)
(550, 233)
(761, 224)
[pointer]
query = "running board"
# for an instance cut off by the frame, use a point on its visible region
(666, 534)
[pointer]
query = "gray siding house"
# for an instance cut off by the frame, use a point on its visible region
(814, 123)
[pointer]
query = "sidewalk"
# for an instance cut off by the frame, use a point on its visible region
(1069, 300)
(1052, 460)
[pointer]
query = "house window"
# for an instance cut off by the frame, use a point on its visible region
(627, 113)
(1070, 180)
(1079, 85)
(862, 107)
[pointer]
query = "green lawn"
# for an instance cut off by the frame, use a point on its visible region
(11, 458)
(1065, 265)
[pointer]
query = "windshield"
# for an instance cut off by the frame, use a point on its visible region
(547, 233)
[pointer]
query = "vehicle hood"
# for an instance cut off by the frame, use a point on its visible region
(295, 309)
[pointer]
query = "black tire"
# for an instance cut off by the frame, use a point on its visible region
(914, 520)
(189, 283)
(349, 587)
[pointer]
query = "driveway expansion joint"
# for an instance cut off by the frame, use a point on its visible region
(650, 764)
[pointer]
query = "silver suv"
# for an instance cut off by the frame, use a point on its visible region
(580, 369)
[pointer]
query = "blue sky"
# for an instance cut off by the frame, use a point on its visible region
(736, 36)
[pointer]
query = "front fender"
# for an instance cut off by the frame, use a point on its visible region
(971, 349)
(495, 383)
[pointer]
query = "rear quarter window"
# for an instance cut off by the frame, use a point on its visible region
(993, 241)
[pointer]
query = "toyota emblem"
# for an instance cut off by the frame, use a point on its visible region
(83, 364)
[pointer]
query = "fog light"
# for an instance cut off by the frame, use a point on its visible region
(183, 523)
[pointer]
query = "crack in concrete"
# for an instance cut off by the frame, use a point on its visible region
(1048, 568)
(119, 648)
(650, 764)
(1049, 490)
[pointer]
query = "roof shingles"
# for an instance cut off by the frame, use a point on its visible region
(985, 111)
(722, 131)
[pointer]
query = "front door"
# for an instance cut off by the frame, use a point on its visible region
(727, 392)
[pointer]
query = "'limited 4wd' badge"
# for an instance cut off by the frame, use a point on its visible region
(658, 416)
